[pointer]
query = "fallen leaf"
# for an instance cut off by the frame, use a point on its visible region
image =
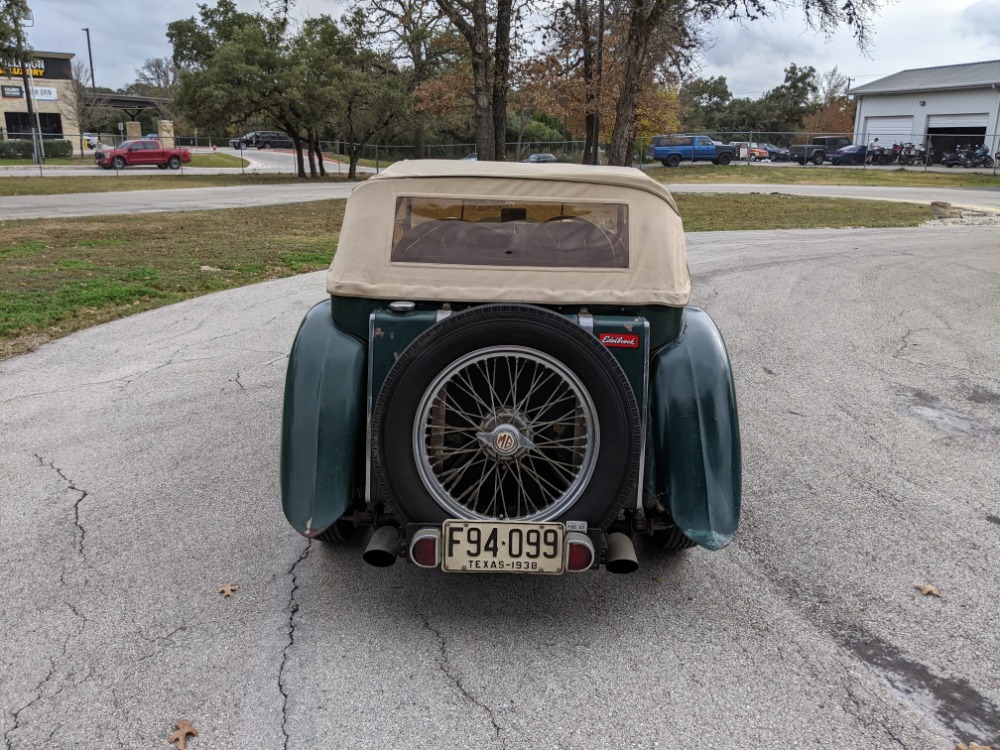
(184, 728)
(657, 579)
(228, 590)
(927, 589)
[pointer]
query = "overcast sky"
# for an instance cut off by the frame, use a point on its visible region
(752, 57)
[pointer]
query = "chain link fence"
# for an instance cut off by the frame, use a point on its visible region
(970, 148)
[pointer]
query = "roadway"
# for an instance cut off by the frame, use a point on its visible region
(139, 461)
(199, 199)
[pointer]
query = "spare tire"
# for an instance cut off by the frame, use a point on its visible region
(509, 412)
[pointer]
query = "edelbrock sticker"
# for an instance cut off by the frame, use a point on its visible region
(626, 340)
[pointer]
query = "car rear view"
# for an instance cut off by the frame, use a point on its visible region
(506, 378)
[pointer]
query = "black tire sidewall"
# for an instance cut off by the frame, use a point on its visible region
(617, 464)
(674, 160)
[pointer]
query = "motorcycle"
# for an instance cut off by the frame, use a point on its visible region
(913, 155)
(979, 157)
(956, 157)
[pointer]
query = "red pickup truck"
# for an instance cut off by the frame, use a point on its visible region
(144, 152)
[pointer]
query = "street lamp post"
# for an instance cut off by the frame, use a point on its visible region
(90, 54)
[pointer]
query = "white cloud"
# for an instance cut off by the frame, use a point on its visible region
(982, 19)
(908, 34)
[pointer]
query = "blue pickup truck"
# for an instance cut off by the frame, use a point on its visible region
(671, 150)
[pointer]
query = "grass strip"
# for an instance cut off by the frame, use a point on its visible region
(756, 174)
(61, 275)
(715, 212)
(127, 181)
(197, 160)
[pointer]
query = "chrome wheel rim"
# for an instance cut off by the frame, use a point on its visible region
(506, 432)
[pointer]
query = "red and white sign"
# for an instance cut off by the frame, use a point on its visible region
(625, 340)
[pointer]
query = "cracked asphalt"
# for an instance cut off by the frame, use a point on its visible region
(138, 467)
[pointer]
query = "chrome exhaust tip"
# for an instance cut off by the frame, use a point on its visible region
(621, 554)
(383, 547)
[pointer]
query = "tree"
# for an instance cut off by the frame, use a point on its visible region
(157, 76)
(367, 91)
(235, 68)
(646, 20)
(486, 27)
(85, 110)
(704, 101)
(787, 105)
(411, 32)
(833, 110)
(12, 14)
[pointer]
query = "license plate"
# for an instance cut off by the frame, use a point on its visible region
(502, 547)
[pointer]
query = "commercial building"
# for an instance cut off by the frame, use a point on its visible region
(51, 74)
(944, 106)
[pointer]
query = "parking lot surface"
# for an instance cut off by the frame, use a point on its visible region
(139, 466)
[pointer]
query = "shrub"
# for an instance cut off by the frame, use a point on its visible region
(58, 148)
(23, 150)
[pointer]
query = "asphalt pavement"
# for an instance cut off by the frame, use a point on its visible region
(261, 161)
(139, 466)
(200, 199)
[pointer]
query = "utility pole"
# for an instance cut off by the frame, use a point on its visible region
(22, 55)
(600, 60)
(90, 54)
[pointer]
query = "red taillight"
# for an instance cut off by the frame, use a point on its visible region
(424, 549)
(579, 552)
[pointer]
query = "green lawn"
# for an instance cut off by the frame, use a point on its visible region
(60, 275)
(52, 161)
(704, 174)
(197, 160)
(217, 160)
(108, 183)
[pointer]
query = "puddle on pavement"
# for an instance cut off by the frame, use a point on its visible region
(951, 702)
(932, 412)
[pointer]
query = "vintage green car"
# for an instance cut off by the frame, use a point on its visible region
(506, 377)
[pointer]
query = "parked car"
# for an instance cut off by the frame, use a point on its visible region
(671, 150)
(151, 137)
(142, 153)
(511, 381)
(470, 157)
(261, 139)
(749, 151)
(775, 153)
(539, 159)
(853, 154)
(816, 151)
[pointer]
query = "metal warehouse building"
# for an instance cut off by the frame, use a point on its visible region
(944, 107)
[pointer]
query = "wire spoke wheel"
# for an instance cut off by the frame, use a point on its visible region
(506, 432)
(506, 411)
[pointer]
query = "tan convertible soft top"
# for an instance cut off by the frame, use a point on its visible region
(657, 271)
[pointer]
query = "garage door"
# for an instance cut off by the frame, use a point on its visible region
(889, 128)
(979, 120)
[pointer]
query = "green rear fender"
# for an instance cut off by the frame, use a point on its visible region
(322, 428)
(696, 433)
